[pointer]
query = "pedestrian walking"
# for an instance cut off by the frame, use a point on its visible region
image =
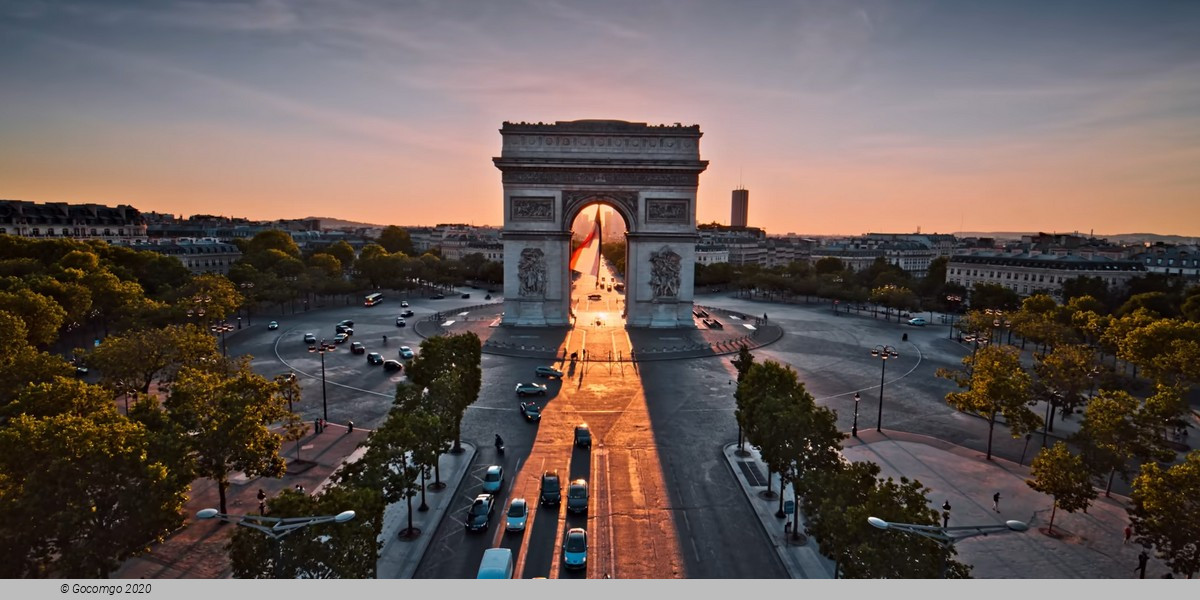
(262, 508)
(1143, 558)
(349, 426)
(317, 425)
(1128, 534)
(946, 513)
(996, 502)
(262, 495)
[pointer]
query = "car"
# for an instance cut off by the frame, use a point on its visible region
(346, 322)
(287, 377)
(493, 478)
(518, 514)
(436, 297)
(583, 435)
(375, 358)
(531, 411)
(81, 371)
(595, 297)
(918, 321)
(400, 322)
(465, 296)
(341, 338)
(346, 329)
(310, 338)
(407, 314)
(273, 325)
(530, 389)
(577, 496)
(404, 304)
(480, 513)
(548, 372)
(550, 491)
(407, 353)
(574, 554)
(392, 365)
(358, 348)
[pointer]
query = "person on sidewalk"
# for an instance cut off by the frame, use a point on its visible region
(1128, 534)
(1143, 558)
(996, 502)
(945, 513)
(349, 426)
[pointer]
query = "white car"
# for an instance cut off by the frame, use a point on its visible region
(917, 321)
(404, 304)
(518, 514)
(406, 353)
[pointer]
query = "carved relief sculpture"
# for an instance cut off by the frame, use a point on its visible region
(666, 211)
(532, 209)
(664, 273)
(532, 272)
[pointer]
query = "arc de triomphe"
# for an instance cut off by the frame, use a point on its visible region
(648, 174)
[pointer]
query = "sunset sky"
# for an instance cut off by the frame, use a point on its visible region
(838, 116)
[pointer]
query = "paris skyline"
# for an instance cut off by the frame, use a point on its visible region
(839, 117)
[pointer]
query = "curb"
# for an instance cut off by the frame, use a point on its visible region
(422, 545)
(749, 503)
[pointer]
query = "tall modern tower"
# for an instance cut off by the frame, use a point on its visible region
(741, 207)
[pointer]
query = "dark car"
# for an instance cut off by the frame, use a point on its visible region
(374, 358)
(551, 490)
(577, 496)
(310, 338)
(531, 411)
(436, 297)
(407, 314)
(346, 322)
(548, 372)
(583, 435)
(480, 513)
(392, 365)
(346, 329)
(530, 389)
(358, 348)
(465, 296)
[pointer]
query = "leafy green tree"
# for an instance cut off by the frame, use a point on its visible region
(742, 364)
(1085, 286)
(1115, 430)
(1112, 339)
(116, 301)
(22, 365)
(1158, 303)
(142, 356)
(1063, 476)
(396, 239)
(80, 493)
(1191, 308)
(391, 456)
(1166, 350)
(42, 316)
(344, 252)
(215, 294)
(1065, 373)
(829, 266)
(993, 296)
(372, 251)
(996, 385)
(273, 239)
(348, 550)
(227, 418)
(897, 298)
(327, 264)
(458, 356)
(1165, 512)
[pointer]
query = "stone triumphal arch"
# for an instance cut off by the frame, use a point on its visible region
(648, 174)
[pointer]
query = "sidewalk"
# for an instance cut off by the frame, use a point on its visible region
(399, 558)
(1086, 545)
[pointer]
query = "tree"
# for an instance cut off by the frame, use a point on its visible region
(215, 294)
(1165, 350)
(42, 316)
(742, 363)
(994, 296)
(1165, 512)
(1065, 374)
(273, 239)
(458, 357)
(1115, 430)
(1063, 476)
(1085, 286)
(997, 385)
(344, 252)
(347, 550)
(22, 365)
(227, 418)
(327, 264)
(395, 239)
(390, 456)
(142, 356)
(898, 298)
(829, 266)
(80, 494)
(1158, 303)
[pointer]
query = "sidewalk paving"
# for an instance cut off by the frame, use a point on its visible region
(1086, 545)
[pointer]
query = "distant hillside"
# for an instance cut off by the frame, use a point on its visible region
(1128, 238)
(333, 223)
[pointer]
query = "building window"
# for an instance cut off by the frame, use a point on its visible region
(34, 231)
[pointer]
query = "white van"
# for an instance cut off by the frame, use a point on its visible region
(497, 563)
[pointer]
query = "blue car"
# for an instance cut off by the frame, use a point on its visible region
(493, 479)
(574, 555)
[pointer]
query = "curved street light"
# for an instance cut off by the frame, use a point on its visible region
(222, 329)
(947, 536)
(274, 527)
(321, 349)
(883, 353)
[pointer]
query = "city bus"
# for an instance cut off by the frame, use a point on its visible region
(373, 299)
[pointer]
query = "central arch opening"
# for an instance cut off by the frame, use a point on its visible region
(597, 267)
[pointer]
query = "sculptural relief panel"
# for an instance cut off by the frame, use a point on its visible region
(532, 272)
(665, 268)
(524, 208)
(667, 211)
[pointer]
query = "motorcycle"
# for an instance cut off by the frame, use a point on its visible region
(499, 446)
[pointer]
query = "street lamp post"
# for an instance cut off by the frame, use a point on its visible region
(274, 527)
(854, 428)
(246, 286)
(947, 536)
(321, 349)
(222, 329)
(883, 353)
(955, 299)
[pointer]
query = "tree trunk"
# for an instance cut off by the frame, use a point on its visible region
(222, 483)
(1053, 511)
(1108, 488)
(991, 427)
